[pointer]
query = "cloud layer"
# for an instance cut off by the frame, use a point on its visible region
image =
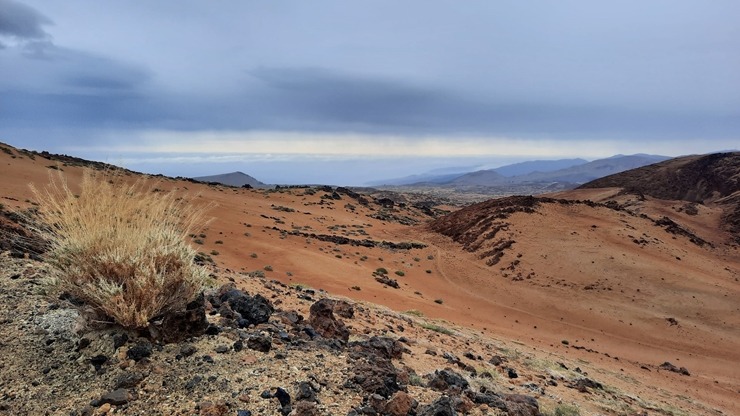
(586, 75)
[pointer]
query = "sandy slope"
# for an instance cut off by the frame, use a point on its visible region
(589, 283)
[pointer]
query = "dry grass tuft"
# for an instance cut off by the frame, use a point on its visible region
(121, 247)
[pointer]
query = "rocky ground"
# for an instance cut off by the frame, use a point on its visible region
(262, 349)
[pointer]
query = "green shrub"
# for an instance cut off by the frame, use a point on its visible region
(268, 268)
(121, 248)
(437, 328)
(400, 273)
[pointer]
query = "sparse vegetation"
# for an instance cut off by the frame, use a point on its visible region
(268, 268)
(437, 328)
(121, 248)
(381, 270)
(219, 242)
(439, 301)
(414, 312)
(563, 410)
(400, 273)
(214, 253)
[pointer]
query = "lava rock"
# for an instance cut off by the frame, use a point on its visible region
(441, 407)
(98, 361)
(187, 350)
(259, 343)
(443, 380)
(306, 392)
(323, 321)
(174, 327)
(303, 408)
(142, 349)
(400, 404)
(128, 380)
(116, 397)
(521, 405)
(119, 340)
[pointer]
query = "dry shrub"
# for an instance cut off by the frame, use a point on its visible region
(121, 247)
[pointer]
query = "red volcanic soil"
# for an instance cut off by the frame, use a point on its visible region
(604, 284)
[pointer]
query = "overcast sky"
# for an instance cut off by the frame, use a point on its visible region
(342, 92)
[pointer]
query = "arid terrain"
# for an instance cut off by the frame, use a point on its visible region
(639, 296)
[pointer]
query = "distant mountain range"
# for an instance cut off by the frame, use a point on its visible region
(566, 171)
(233, 179)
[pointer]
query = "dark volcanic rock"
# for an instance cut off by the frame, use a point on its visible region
(670, 367)
(521, 405)
(305, 392)
(128, 380)
(142, 349)
(401, 404)
(441, 407)
(342, 308)
(382, 346)
(116, 397)
(323, 321)
(260, 343)
(252, 310)
(443, 380)
(376, 376)
(387, 281)
(175, 327)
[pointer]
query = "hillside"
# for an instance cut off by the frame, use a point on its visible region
(577, 304)
(704, 179)
(699, 178)
(237, 179)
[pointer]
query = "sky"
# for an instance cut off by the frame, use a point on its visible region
(351, 92)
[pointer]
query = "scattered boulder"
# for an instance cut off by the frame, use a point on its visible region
(260, 343)
(670, 367)
(174, 327)
(521, 405)
(441, 407)
(306, 392)
(323, 321)
(387, 281)
(443, 380)
(304, 408)
(128, 380)
(116, 397)
(384, 347)
(400, 404)
(375, 376)
(584, 384)
(342, 308)
(141, 350)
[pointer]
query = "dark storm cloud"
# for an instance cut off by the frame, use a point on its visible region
(21, 21)
(61, 87)
(345, 98)
(340, 101)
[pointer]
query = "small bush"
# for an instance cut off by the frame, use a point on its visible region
(381, 270)
(219, 242)
(268, 268)
(565, 410)
(120, 247)
(253, 255)
(400, 273)
(214, 253)
(437, 328)
(439, 301)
